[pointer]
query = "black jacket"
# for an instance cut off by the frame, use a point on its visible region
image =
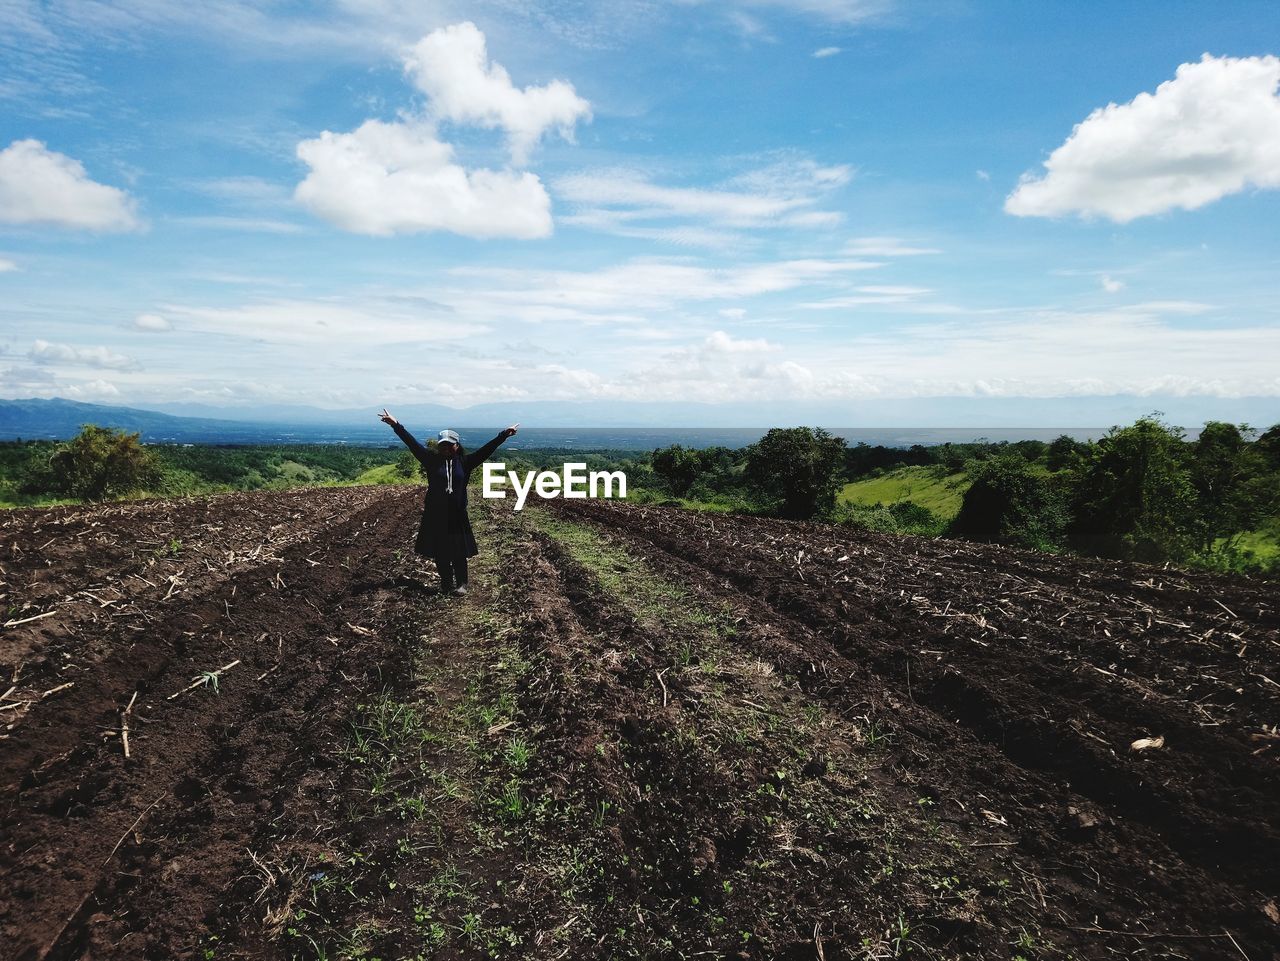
(446, 530)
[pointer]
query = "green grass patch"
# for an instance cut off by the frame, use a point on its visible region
(942, 495)
(626, 578)
(384, 474)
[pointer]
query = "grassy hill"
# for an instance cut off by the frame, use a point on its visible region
(925, 486)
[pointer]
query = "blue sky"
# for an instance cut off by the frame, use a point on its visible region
(825, 204)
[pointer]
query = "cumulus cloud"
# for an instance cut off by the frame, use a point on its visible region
(151, 322)
(1111, 285)
(452, 67)
(7, 266)
(42, 186)
(92, 390)
(1211, 131)
(44, 352)
(718, 342)
(388, 178)
(825, 52)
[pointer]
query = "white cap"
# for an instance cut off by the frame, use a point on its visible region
(448, 437)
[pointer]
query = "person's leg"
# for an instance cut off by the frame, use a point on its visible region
(460, 572)
(445, 567)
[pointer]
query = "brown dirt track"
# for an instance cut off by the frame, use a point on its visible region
(647, 733)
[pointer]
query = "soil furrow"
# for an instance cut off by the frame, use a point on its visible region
(202, 763)
(1233, 849)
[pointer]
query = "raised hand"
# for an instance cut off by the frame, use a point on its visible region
(386, 418)
(507, 432)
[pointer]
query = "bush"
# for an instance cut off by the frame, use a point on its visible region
(1133, 496)
(903, 517)
(1064, 452)
(406, 465)
(796, 468)
(98, 463)
(1009, 502)
(678, 467)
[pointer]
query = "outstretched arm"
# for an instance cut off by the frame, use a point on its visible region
(423, 454)
(477, 457)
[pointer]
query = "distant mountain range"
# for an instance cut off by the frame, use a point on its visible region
(556, 421)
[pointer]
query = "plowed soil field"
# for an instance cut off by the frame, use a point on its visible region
(249, 727)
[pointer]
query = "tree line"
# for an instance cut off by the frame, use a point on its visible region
(1141, 492)
(101, 463)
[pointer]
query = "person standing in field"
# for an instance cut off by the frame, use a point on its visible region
(445, 533)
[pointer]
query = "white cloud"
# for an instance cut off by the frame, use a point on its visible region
(1031, 354)
(44, 352)
(7, 266)
(825, 52)
(983, 175)
(42, 186)
(844, 12)
(630, 293)
(151, 322)
(254, 191)
(389, 178)
(257, 225)
(895, 291)
(1188, 307)
(1059, 353)
(1213, 130)
(870, 296)
(91, 390)
(451, 66)
(640, 199)
(339, 325)
(781, 195)
(886, 247)
(718, 342)
(1111, 285)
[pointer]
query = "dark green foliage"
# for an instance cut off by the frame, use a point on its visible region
(952, 458)
(903, 517)
(798, 468)
(1268, 447)
(1064, 452)
(1133, 496)
(1011, 502)
(96, 464)
(678, 467)
(407, 465)
(862, 459)
(1236, 487)
(1030, 450)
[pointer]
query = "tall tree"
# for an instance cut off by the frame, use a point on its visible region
(1222, 465)
(1011, 502)
(677, 466)
(1133, 496)
(1064, 451)
(798, 468)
